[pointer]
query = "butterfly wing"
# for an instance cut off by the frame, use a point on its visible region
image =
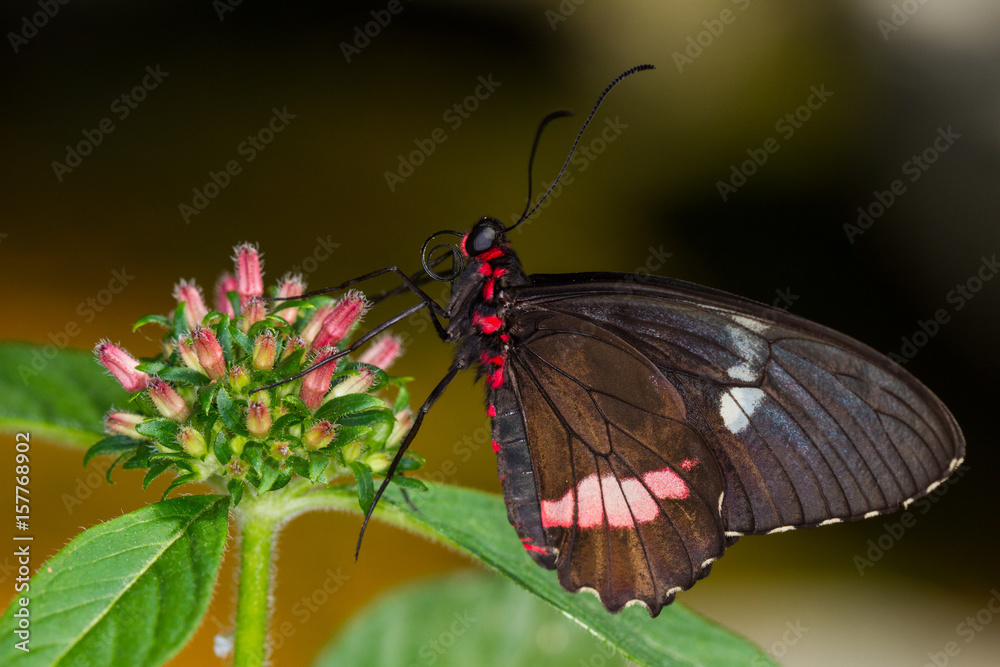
(603, 474)
(805, 425)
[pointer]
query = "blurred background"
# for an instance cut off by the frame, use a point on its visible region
(839, 159)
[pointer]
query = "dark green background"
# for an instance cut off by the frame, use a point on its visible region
(654, 187)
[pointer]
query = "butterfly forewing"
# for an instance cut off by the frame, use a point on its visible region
(807, 425)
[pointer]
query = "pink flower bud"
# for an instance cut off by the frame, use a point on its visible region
(122, 366)
(404, 420)
(167, 401)
(382, 352)
(258, 419)
(255, 311)
(189, 353)
(248, 274)
(317, 382)
(281, 449)
(194, 304)
(209, 353)
(124, 423)
(291, 286)
(264, 351)
(192, 441)
(355, 384)
(338, 323)
(223, 287)
(294, 343)
(315, 323)
(319, 436)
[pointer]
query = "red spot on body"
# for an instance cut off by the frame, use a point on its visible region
(491, 411)
(488, 290)
(496, 448)
(496, 379)
(488, 324)
(504, 337)
(688, 464)
(498, 360)
(485, 269)
(492, 253)
(461, 245)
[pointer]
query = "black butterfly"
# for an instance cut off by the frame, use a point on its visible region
(643, 424)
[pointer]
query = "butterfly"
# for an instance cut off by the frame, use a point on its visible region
(642, 424)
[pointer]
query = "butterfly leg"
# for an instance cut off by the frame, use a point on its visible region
(404, 445)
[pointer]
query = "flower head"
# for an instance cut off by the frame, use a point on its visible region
(319, 435)
(223, 287)
(167, 401)
(342, 317)
(258, 419)
(123, 423)
(122, 365)
(249, 279)
(291, 286)
(317, 382)
(192, 441)
(210, 354)
(383, 351)
(188, 293)
(264, 350)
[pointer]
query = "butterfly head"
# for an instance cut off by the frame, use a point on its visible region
(486, 235)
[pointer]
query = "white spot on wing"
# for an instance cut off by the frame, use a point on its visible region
(736, 404)
(707, 563)
(753, 325)
(733, 533)
(933, 486)
(869, 515)
(829, 521)
(742, 372)
(780, 529)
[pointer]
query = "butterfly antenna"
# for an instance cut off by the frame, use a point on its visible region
(558, 114)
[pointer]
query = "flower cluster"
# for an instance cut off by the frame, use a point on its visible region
(220, 402)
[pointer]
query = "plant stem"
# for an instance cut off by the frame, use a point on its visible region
(258, 529)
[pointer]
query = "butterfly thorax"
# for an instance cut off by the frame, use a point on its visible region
(479, 304)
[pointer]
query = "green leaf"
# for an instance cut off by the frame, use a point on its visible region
(292, 303)
(476, 619)
(296, 405)
(220, 447)
(402, 400)
(225, 340)
(130, 591)
(345, 436)
(476, 523)
(232, 412)
(58, 394)
(409, 482)
(151, 367)
(241, 339)
(186, 375)
(366, 488)
(372, 419)
(164, 431)
(180, 321)
(111, 445)
(235, 488)
(151, 319)
(155, 470)
(284, 421)
(349, 404)
(318, 462)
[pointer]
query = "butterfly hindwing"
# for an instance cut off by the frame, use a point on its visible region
(626, 495)
(807, 425)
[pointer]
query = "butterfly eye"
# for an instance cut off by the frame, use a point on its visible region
(481, 239)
